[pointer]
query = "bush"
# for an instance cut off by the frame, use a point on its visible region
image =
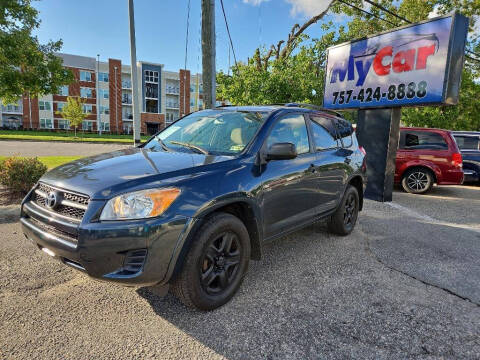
(20, 174)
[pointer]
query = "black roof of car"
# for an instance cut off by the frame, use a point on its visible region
(273, 107)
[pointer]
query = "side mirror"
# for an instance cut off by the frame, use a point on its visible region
(281, 151)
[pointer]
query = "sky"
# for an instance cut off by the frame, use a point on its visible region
(91, 27)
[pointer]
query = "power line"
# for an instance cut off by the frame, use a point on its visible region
(228, 31)
(399, 17)
(366, 12)
(186, 37)
(471, 52)
(387, 11)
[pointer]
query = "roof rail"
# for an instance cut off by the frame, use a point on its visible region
(312, 107)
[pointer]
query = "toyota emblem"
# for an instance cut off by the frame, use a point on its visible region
(51, 199)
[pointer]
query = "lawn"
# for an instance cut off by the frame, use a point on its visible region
(65, 136)
(52, 161)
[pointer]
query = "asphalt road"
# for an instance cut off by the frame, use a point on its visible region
(52, 148)
(313, 296)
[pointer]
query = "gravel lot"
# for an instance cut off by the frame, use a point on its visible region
(52, 148)
(396, 288)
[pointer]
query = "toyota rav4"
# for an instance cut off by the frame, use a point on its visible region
(189, 208)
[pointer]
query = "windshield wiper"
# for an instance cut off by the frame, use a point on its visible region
(191, 146)
(162, 144)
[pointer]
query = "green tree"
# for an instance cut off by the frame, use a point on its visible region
(297, 74)
(26, 66)
(73, 111)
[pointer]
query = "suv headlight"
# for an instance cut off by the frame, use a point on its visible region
(139, 204)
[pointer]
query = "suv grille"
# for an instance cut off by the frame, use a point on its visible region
(71, 205)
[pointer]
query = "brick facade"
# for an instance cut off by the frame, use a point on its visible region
(115, 90)
(184, 92)
(153, 119)
(26, 113)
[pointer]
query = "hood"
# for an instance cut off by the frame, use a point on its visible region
(103, 175)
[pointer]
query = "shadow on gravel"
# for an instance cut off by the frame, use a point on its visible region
(9, 214)
(314, 296)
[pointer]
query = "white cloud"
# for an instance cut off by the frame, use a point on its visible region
(308, 7)
(254, 2)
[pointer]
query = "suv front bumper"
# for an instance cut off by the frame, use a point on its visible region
(136, 253)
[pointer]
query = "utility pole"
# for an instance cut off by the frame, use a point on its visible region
(133, 61)
(208, 53)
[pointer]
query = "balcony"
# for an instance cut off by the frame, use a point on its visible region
(126, 84)
(126, 117)
(12, 109)
(126, 100)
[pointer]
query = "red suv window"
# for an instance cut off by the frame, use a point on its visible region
(415, 140)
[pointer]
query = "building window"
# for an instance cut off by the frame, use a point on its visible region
(87, 108)
(63, 91)
(87, 125)
(85, 76)
(104, 110)
(60, 106)
(104, 93)
(151, 106)
(105, 126)
(63, 124)
(46, 124)
(44, 105)
(103, 76)
(126, 98)
(126, 84)
(127, 127)
(151, 91)
(86, 92)
(151, 76)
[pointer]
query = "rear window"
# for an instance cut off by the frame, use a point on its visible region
(339, 128)
(468, 142)
(427, 140)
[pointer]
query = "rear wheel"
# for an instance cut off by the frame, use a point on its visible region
(215, 265)
(417, 181)
(343, 221)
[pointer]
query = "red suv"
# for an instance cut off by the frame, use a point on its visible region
(427, 156)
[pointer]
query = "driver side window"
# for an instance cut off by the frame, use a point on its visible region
(291, 129)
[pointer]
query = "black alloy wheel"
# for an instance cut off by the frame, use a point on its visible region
(343, 220)
(216, 263)
(350, 210)
(220, 263)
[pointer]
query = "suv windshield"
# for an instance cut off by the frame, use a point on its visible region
(209, 131)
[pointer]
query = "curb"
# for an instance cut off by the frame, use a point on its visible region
(72, 142)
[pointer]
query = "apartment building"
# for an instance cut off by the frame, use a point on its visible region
(107, 90)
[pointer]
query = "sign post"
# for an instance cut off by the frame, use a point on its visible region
(415, 65)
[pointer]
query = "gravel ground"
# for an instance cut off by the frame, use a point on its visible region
(52, 148)
(313, 295)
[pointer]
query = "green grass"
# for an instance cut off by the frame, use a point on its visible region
(52, 161)
(65, 136)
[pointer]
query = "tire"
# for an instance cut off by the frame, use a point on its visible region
(343, 221)
(417, 181)
(213, 271)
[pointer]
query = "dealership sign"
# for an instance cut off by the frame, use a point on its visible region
(420, 64)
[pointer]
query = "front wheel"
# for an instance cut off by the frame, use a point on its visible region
(343, 221)
(215, 265)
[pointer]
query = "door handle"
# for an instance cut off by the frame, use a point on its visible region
(347, 160)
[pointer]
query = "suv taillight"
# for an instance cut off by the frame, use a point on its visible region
(457, 159)
(362, 150)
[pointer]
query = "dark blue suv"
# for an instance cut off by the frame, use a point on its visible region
(469, 144)
(194, 204)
